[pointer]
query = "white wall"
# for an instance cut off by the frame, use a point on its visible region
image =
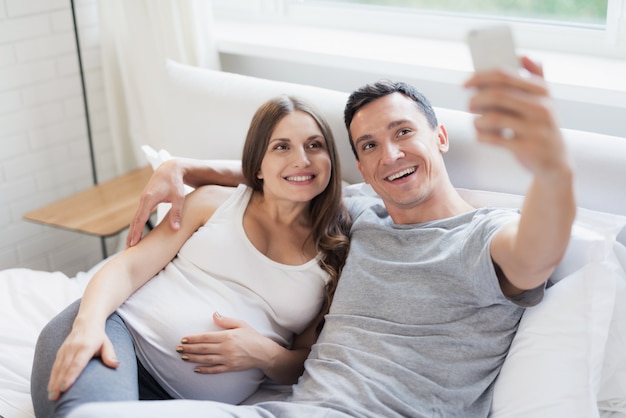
(43, 134)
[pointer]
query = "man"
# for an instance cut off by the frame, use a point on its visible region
(433, 289)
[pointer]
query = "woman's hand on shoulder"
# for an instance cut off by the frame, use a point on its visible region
(167, 185)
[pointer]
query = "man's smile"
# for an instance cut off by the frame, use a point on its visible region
(402, 173)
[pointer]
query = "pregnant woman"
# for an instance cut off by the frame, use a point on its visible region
(237, 293)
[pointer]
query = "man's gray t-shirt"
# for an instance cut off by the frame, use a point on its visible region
(418, 326)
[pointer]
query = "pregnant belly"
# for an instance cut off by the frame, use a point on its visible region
(178, 378)
(159, 319)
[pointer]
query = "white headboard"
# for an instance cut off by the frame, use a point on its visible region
(208, 113)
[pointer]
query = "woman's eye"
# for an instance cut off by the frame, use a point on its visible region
(280, 147)
(315, 145)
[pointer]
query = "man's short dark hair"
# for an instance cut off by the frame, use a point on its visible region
(371, 92)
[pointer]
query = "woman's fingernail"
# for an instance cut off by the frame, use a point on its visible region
(218, 314)
(197, 370)
(52, 395)
(184, 358)
(179, 349)
(184, 341)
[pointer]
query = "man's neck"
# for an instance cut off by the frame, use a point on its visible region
(442, 205)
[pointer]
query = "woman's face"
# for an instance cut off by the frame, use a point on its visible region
(296, 165)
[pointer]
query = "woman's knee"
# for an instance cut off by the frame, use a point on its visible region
(60, 326)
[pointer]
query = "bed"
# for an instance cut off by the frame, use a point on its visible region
(568, 357)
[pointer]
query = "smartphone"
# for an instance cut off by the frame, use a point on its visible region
(493, 47)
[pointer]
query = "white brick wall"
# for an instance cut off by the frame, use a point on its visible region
(44, 151)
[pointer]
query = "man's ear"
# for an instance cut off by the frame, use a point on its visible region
(442, 136)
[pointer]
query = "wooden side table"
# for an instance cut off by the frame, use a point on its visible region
(103, 210)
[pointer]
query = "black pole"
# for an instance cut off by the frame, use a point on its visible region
(85, 104)
(92, 156)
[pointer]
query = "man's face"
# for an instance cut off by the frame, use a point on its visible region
(400, 156)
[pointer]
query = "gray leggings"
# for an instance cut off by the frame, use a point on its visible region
(97, 383)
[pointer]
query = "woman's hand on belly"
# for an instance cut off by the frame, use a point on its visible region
(240, 347)
(237, 347)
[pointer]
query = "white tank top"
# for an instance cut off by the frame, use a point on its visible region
(218, 269)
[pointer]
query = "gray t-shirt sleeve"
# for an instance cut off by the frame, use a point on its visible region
(493, 220)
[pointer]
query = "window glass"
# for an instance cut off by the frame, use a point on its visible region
(570, 11)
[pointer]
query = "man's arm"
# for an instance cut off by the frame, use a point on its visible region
(517, 112)
(167, 185)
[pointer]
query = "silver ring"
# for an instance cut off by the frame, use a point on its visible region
(507, 133)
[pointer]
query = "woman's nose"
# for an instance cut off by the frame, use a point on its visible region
(301, 158)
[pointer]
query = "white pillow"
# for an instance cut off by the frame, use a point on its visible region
(612, 394)
(554, 366)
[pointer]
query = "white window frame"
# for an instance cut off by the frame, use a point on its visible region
(607, 42)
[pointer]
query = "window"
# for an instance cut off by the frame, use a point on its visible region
(593, 27)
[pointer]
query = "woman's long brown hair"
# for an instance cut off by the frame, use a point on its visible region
(329, 219)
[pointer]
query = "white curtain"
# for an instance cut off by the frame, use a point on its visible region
(137, 36)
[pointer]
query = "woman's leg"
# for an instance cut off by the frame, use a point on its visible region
(97, 382)
(202, 409)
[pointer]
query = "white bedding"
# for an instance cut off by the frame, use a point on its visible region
(28, 300)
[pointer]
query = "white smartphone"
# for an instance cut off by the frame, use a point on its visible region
(493, 47)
